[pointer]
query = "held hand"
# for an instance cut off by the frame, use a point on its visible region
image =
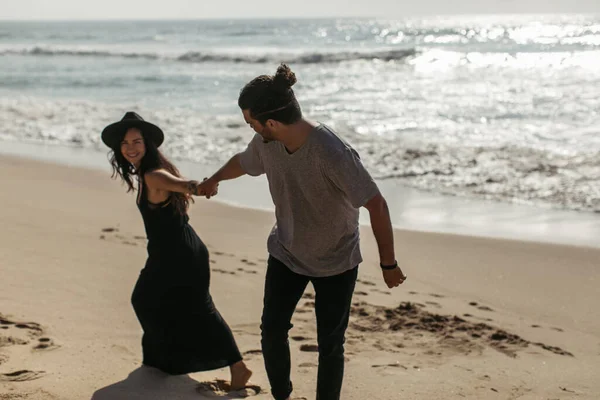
(393, 277)
(208, 188)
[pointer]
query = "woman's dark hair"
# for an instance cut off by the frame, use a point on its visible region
(153, 159)
(272, 97)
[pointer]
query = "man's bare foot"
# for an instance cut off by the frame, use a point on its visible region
(240, 375)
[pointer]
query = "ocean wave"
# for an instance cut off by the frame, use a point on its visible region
(309, 58)
(519, 60)
(205, 57)
(418, 56)
(508, 173)
(46, 51)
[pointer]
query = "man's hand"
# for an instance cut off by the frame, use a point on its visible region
(208, 187)
(393, 277)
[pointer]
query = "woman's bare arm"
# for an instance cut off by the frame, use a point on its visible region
(161, 179)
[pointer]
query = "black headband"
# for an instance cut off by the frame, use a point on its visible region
(276, 109)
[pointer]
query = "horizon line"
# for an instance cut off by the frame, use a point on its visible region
(281, 17)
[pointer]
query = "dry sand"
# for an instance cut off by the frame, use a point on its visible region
(477, 318)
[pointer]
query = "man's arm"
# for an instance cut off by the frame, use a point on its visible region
(384, 235)
(347, 172)
(231, 170)
(382, 228)
(247, 162)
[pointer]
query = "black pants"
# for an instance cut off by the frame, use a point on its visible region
(283, 290)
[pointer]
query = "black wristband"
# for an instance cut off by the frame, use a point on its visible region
(389, 267)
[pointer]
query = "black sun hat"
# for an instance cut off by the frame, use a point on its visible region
(113, 133)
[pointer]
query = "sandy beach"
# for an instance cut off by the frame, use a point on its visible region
(477, 318)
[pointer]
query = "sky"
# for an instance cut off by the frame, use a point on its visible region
(223, 9)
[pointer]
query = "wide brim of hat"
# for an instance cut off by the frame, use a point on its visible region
(112, 134)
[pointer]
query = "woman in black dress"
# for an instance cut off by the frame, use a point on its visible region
(183, 331)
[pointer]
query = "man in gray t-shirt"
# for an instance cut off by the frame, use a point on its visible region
(317, 192)
(318, 184)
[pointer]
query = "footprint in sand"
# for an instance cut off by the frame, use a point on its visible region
(380, 291)
(308, 365)
(433, 303)
(247, 262)
(309, 304)
(21, 376)
(359, 293)
(222, 271)
(111, 234)
(220, 253)
(219, 388)
(365, 282)
(309, 348)
(252, 352)
(32, 326)
(413, 292)
(554, 349)
(439, 296)
(247, 271)
(247, 329)
(23, 333)
(483, 308)
(9, 341)
(564, 389)
(452, 333)
(45, 344)
(299, 338)
(393, 365)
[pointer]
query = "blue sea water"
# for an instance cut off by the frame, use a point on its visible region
(496, 107)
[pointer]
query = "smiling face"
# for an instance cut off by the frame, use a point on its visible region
(133, 147)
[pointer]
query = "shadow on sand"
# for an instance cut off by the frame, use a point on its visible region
(146, 383)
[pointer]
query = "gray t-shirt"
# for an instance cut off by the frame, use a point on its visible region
(317, 192)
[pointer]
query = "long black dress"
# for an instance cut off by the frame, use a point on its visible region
(183, 331)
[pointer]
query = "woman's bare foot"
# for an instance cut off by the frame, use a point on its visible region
(240, 375)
